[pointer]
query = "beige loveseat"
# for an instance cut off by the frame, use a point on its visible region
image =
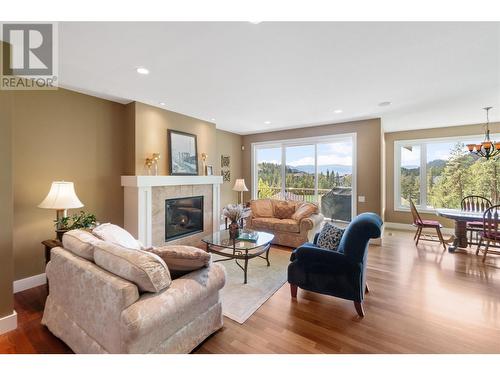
(95, 311)
(292, 223)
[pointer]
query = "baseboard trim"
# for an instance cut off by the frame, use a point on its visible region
(411, 228)
(29, 282)
(8, 323)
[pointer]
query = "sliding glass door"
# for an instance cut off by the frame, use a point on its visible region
(300, 173)
(317, 170)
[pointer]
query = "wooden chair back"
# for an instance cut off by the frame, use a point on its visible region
(491, 222)
(475, 203)
(416, 216)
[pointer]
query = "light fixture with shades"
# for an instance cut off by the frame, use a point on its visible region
(240, 186)
(61, 197)
(488, 148)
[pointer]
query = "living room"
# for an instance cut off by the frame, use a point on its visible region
(250, 187)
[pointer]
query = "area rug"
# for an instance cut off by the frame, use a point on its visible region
(240, 301)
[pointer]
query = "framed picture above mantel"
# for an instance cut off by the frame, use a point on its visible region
(183, 152)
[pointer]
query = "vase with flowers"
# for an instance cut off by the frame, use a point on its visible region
(234, 213)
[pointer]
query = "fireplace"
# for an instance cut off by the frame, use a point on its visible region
(183, 217)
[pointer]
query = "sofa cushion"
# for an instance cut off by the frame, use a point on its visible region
(262, 208)
(147, 270)
(304, 210)
(80, 243)
(113, 233)
(182, 259)
(330, 236)
(283, 209)
(264, 223)
(287, 225)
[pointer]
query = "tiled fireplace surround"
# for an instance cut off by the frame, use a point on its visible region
(144, 205)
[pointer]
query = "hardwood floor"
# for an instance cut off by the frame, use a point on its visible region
(421, 300)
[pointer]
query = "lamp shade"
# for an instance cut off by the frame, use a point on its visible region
(239, 185)
(61, 197)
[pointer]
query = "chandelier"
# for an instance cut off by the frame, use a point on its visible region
(488, 148)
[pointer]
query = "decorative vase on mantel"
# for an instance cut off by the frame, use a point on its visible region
(234, 230)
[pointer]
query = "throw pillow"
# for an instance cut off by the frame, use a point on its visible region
(182, 259)
(113, 233)
(284, 210)
(261, 208)
(147, 270)
(81, 243)
(330, 236)
(304, 210)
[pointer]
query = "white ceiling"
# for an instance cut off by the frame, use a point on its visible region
(291, 74)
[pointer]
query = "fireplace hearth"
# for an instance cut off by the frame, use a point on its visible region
(183, 217)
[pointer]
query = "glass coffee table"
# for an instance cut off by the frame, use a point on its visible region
(219, 243)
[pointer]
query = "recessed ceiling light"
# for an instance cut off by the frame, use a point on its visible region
(267, 122)
(384, 104)
(338, 111)
(142, 70)
(162, 103)
(255, 22)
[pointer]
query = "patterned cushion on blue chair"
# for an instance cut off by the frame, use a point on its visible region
(330, 236)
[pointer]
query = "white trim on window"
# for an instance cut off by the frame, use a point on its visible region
(423, 206)
(283, 144)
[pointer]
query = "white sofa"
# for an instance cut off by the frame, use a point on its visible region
(95, 311)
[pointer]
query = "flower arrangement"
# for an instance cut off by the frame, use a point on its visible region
(235, 212)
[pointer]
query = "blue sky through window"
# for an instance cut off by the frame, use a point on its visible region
(338, 153)
(435, 151)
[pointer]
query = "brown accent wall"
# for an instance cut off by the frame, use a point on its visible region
(368, 155)
(151, 124)
(229, 144)
(6, 206)
(150, 135)
(63, 135)
(394, 216)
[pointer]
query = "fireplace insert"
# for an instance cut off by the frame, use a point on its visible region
(183, 217)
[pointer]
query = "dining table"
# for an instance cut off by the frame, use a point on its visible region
(461, 219)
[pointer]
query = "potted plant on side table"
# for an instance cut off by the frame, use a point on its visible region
(81, 220)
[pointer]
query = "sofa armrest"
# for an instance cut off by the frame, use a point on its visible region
(311, 222)
(88, 295)
(149, 321)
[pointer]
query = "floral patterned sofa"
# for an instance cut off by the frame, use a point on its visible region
(292, 223)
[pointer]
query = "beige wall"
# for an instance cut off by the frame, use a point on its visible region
(368, 155)
(405, 217)
(6, 206)
(151, 124)
(63, 135)
(229, 144)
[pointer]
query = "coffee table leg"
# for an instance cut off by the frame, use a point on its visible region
(246, 266)
(267, 256)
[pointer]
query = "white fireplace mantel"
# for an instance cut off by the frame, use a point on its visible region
(150, 181)
(138, 200)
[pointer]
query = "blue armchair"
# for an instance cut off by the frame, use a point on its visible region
(339, 273)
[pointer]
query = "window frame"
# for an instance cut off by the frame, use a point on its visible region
(423, 142)
(284, 143)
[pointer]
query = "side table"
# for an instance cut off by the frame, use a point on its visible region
(49, 245)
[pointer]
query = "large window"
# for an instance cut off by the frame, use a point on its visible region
(438, 173)
(318, 170)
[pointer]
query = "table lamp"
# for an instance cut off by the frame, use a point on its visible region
(240, 186)
(61, 197)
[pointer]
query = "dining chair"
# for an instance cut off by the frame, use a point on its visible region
(475, 203)
(423, 224)
(491, 231)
